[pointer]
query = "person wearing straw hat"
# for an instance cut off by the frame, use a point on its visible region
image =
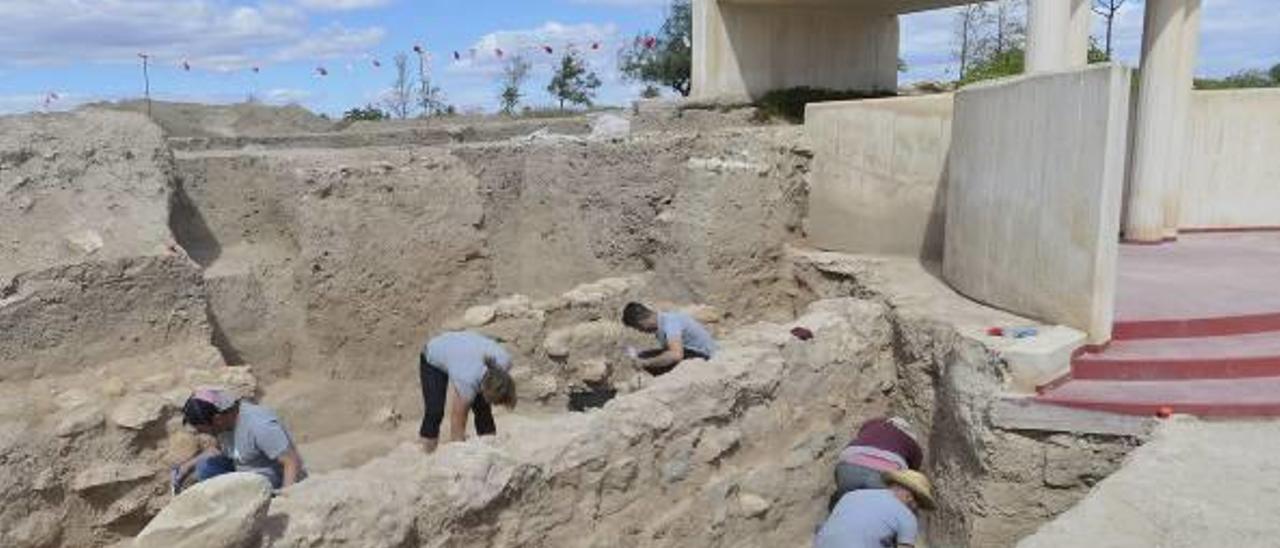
(881, 445)
(875, 518)
(251, 438)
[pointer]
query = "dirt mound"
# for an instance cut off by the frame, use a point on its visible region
(238, 120)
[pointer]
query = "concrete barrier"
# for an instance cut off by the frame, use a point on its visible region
(878, 173)
(1034, 195)
(1231, 170)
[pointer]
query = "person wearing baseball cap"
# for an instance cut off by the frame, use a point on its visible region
(873, 518)
(251, 438)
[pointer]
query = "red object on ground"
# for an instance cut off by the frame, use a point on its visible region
(801, 333)
(1164, 412)
(995, 331)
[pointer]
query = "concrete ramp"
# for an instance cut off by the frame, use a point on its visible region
(1195, 484)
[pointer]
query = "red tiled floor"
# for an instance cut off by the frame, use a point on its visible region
(1197, 329)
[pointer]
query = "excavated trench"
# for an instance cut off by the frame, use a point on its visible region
(324, 269)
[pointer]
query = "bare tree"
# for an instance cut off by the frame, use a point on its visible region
(514, 72)
(968, 29)
(1107, 9)
(430, 98)
(399, 98)
(1006, 25)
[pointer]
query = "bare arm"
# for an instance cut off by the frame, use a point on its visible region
(670, 356)
(186, 467)
(457, 415)
(291, 464)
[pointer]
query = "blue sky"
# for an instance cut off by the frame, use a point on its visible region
(86, 50)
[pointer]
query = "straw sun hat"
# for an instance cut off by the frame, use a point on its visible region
(915, 482)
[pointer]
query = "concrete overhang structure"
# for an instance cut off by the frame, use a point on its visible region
(743, 49)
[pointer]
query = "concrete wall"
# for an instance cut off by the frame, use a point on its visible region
(744, 51)
(1034, 191)
(1231, 170)
(878, 172)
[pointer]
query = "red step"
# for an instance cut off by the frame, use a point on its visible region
(1223, 357)
(1258, 397)
(1172, 328)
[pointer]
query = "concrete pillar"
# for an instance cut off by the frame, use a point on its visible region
(1048, 22)
(1077, 46)
(1182, 111)
(1157, 120)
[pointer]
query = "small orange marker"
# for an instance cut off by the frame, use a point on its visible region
(1164, 412)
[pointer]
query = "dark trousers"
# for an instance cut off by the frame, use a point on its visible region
(689, 354)
(435, 387)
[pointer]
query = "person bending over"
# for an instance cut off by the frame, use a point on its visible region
(250, 438)
(474, 370)
(881, 445)
(875, 518)
(681, 337)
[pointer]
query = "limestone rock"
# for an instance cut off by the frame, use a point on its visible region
(753, 505)
(610, 127)
(113, 387)
(137, 411)
(110, 473)
(81, 419)
(478, 316)
(238, 379)
(85, 241)
(224, 512)
(593, 370)
(72, 398)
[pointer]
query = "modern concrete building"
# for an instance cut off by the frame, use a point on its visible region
(744, 48)
(1042, 194)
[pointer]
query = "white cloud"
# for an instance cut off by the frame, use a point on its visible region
(208, 33)
(342, 5)
(530, 42)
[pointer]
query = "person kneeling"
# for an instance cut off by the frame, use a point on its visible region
(873, 518)
(475, 369)
(680, 335)
(250, 438)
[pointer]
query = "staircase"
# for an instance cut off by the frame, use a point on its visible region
(1197, 332)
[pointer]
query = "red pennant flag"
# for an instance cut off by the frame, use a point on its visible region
(321, 71)
(256, 70)
(377, 63)
(650, 42)
(186, 66)
(417, 49)
(498, 52)
(547, 49)
(457, 56)
(595, 45)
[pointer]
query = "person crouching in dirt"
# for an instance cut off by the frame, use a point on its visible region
(881, 445)
(250, 438)
(681, 337)
(872, 518)
(474, 369)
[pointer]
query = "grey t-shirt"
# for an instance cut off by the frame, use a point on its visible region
(691, 333)
(460, 354)
(868, 518)
(258, 442)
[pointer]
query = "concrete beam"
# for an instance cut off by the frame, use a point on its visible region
(1154, 155)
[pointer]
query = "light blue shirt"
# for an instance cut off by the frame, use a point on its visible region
(460, 355)
(691, 333)
(257, 443)
(868, 518)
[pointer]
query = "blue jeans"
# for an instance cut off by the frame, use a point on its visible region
(214, 465)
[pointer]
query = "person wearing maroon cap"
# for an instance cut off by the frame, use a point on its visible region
(881, 445)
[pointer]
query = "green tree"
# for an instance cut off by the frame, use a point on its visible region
(514, 72)
(665, 59)
(995, 65)
(573, 82)
(369, 112)
(1275, 74)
